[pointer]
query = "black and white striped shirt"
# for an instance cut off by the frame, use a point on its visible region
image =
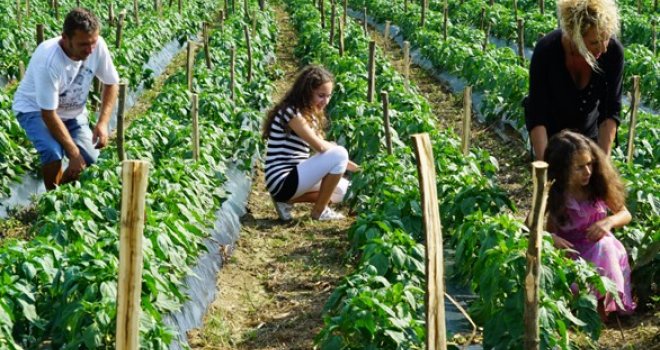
(285, 150)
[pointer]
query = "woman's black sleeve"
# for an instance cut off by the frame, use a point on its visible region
(611, 102)
(536, 104)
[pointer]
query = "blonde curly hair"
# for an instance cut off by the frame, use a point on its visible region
(577, 17)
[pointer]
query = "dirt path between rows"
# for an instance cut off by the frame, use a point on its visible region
(272, 291)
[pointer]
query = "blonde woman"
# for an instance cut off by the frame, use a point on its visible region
(575, 76)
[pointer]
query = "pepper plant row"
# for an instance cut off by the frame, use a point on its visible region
(380, 305)
(60, 288)
(139, 43)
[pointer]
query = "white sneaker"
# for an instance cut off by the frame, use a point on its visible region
(283, 210)
(329, 214)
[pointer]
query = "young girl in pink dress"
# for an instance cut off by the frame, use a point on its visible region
(586, 201)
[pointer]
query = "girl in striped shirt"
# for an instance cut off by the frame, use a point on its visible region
(293, 128)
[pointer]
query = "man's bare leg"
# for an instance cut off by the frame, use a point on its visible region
(52, 173)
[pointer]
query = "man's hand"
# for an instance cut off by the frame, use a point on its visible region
(76, 165)
(599, 229)
(100, 135)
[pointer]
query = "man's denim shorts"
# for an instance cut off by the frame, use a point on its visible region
(49, 149)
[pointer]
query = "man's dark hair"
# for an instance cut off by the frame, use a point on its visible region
(80, 19)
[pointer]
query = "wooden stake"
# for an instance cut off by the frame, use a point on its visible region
(207, 52)
(343, 15)
(542, 6)
(372, 71)
(233, 7)
(226, 10)
(111, 14)
(222, 20)
(422, 21)
(136, 13)
(333, 15)
(232, 67)
(249, 52)
(262, 5)
(386, 119)
(40, 33)
(486, 35)
(467, 120)
(436, 331)
(120, 26)
(180, 4)
(364, 24)
(521, 40)
(341, 39)
(21, 70)
(190, 64)
(56, 8)
(19, 14)
(445, 25)
(515, 10)
(405, 5)
(246, 9)
(129, 286)
(27, 8)
(634, 106)
(386, 34)
(406, 64)
(639, 6)
(654, 36)
(482, 19)
(532, 276)
(254, 26)
(322, 10)
(121, 107)
(77, 3)
(195, 127)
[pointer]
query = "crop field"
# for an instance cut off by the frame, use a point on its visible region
(219, 270)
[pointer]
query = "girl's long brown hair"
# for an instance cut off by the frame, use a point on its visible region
(604, 183)
(300, 97)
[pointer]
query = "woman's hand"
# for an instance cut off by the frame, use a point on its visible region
(599, 229)
(561, 243)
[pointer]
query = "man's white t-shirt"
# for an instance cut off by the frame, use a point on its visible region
(53, 81)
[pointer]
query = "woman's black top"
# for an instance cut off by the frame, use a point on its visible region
(555, 101)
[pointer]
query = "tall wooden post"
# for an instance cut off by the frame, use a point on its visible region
(27, 8)
(422, 21)
(129, 286)
(639, 6)
(445, 24)
(482, 18)
(136, 13)
(40, 33)
(190, 64)
(515, 10)
(386, 34)
(436, 332)
(386, 121)
(406, 64)
(262, 5)
(333, 15)
(226, 10)
(195, 127)
(207, 51)
(21, 70)
(249, 52)
(521, 40)
(372, 71)
(111, 14)
(654, 36)
(121, 107)
(542, 6)
(341, 39)
(222, 21)
(19, 14)
(180, 6)
(232, 70)
(246, 9)
(634, 106)
(56, 8)
(364, 24)
(486, 36)
(343, 15)
(120, 26)
(467, 120)
(532, 276)
(322, 10)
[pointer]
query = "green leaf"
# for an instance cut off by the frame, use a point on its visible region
(92, 208)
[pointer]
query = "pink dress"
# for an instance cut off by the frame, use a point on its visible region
(608, 254)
